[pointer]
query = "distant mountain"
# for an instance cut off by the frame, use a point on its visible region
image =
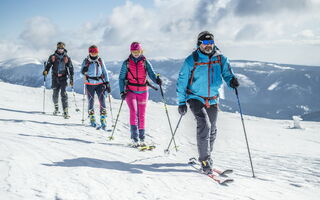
(269, 90)
(314, 116)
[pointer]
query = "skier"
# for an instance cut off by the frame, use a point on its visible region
(133, 86)
(62, 69)
(96, 81)
(199, 80)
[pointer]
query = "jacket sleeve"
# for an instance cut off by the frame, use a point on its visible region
(70, 68)
(183, 80)
(49, 64)
(227, 72)
(84, 69)
(150, 71)
(104, 71)
(122, 76)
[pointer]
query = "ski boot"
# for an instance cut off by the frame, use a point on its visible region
(206, 167)
(134, 143)
(103, 122)
(56, 110)
(92, 118)
(103, 119)
(66, 114)
(141, 137)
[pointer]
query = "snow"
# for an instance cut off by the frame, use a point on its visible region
(307, 75)
(273, 85)
(47, 157)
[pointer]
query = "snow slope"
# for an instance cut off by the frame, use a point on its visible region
(47, 157)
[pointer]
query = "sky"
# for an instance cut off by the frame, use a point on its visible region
(281, 31)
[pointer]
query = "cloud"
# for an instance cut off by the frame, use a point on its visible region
(248, 32)
(127, 22)
(39, 32)
(169, 29)
(209, 12)
(270, 7)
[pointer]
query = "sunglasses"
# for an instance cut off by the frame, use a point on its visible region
(206, 42)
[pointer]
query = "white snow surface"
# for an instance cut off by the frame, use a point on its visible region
(273, 85)
(48, 157)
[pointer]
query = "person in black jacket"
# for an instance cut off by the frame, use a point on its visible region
(62, 69)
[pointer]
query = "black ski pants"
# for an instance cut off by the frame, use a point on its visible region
(59, 84)
(206, 127)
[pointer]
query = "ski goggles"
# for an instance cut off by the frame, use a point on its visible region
(207, 42)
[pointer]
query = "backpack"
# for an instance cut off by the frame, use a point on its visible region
(136, 78)
(195, 56)
(65, 59)
(99, 62)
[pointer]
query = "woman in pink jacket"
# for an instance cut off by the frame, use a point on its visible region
(133, 86)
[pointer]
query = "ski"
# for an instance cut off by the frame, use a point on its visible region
(216, 178)
(142, 148)
(146, 148)
(223, 173)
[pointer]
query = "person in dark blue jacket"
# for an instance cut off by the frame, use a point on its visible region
(198, 83)
(62, 69)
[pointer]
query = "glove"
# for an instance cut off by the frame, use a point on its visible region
(123, 95)
(85, 69)
(71, 82)
(182, 109)
(234, 83)
(158, 80)
(107, 86)
(45, 73)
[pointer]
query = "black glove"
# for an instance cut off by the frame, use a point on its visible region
(158, 80)
(107, 86)
(182, 109)
(85, 69)
(123, 95)
(234, 83)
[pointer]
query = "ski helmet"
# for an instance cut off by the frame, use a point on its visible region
(135, 46)
(204, 35)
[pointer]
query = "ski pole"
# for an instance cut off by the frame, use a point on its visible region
(245, 133)
(166, 109)
(74, 98)
(44, 90)
(115, 125)
(109, 103)
(110, 109)
(83, 101)
(174, 133)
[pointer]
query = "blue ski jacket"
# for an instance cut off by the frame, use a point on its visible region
(207, 77)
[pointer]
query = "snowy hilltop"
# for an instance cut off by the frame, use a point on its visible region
(276, 91)
(48, 157)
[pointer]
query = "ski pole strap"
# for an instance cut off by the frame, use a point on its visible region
(152, 86)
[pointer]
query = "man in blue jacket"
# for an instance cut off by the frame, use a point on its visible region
(198, 83)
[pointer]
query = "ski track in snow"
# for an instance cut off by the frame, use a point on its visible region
(47, 157)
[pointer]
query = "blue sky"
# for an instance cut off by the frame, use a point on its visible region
(280, 31)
